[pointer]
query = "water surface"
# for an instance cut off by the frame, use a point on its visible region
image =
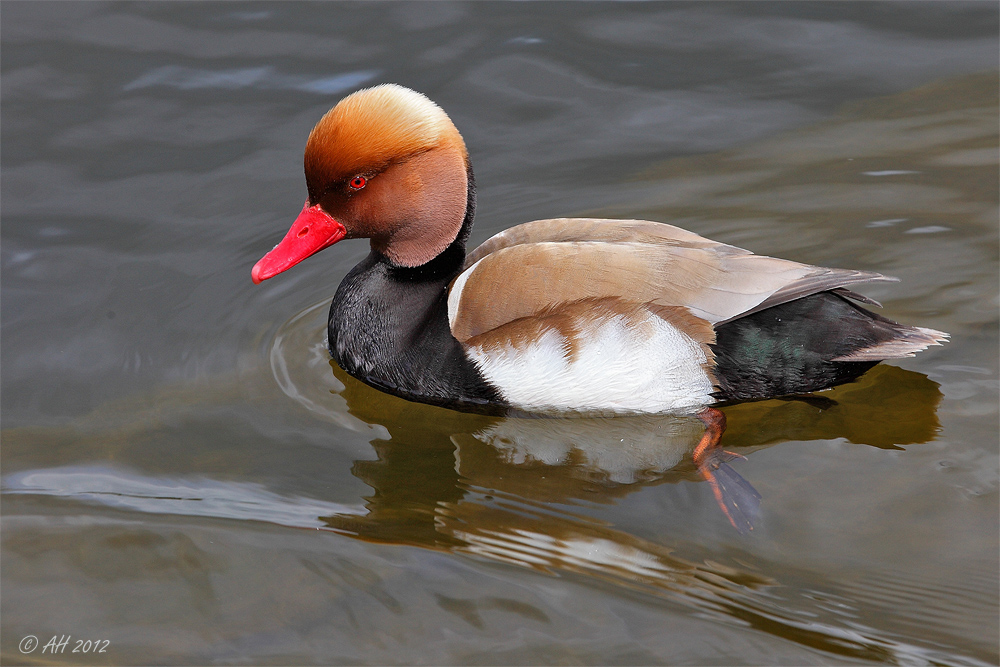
(186, 475)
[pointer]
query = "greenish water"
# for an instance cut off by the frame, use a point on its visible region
(186, 476)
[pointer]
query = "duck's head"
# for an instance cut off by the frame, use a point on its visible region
(386, 164)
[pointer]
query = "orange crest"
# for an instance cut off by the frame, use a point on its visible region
(369, 130)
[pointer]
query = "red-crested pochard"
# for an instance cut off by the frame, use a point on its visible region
(563, 315)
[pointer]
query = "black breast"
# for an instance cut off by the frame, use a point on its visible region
(389, 328)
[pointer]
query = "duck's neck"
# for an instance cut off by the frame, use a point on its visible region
(389, 327)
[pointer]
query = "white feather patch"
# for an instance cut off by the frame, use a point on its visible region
(455, 293)
(620, 367)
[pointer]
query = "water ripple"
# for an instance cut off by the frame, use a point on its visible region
(126, 490)
(188, 78)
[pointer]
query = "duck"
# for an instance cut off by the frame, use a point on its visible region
(557, 316)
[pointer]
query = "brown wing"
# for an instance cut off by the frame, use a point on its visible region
(562, 230)
(539, 265)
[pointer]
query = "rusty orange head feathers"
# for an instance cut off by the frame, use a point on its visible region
(369, 130)
(386, 164)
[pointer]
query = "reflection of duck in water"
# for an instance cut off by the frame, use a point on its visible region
(582, 315)
(429, 458)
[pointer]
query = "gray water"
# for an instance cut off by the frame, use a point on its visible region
(188, 480)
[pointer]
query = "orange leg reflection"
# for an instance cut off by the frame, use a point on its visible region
(738, 499)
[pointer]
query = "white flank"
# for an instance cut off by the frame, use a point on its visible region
(619, 368)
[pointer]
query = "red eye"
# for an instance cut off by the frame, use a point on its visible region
(358, 182)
